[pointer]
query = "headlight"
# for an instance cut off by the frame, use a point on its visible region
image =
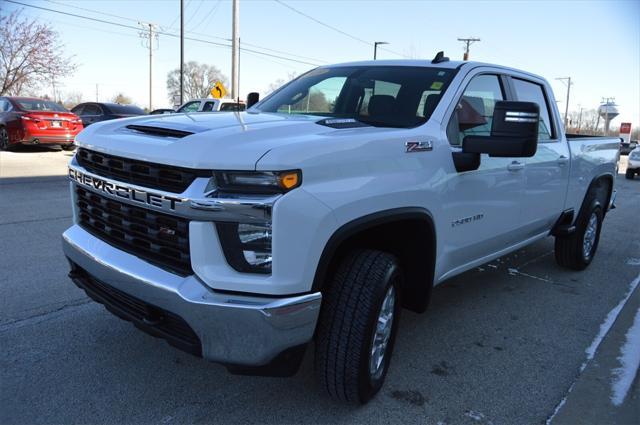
(247, 247)
(262, 182)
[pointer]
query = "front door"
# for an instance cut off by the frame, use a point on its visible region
(482, 207)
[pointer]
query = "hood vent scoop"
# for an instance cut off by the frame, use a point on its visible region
(159, 131)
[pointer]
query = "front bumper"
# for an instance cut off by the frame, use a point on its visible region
(232, 329)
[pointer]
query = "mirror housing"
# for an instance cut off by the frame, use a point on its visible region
(514, 132)
(252, 99)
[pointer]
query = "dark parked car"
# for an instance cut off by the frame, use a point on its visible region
(627, 147)
(29, 120)
(162, 111)
(91, 112)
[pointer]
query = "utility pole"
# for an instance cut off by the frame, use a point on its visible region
(96, 92)
(151, 35)
(181, 52)
(375, 48)
(235, 50)
(468, 42)
(566, 107)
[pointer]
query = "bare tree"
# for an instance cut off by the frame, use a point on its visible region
(121, 99)
(198, 80)
(279, 83)
(72, 99)
(29, 55)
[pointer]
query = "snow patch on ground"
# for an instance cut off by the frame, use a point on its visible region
(591, 350)
(629, 363)
(608, 322)
(633, 261)
(476, 416)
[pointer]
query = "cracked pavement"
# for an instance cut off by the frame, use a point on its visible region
(500, 344)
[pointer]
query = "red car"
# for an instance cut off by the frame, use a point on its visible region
(32, 121)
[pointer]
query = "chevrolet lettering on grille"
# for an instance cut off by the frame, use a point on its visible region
(140, 196)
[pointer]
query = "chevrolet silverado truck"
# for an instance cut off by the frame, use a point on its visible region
(326, 208)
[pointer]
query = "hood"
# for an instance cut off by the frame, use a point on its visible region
(219, 140)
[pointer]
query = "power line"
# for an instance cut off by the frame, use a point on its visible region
(194, 13)
(331, 27)
(200, 40)
(92, 10)
(211, 13)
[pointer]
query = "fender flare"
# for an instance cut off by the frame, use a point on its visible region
(361, 224)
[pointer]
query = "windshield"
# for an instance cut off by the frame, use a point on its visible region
(385, 96)
(40, 105)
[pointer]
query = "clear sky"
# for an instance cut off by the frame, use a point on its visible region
(597, 43)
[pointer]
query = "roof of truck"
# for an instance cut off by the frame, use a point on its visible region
(427, 63)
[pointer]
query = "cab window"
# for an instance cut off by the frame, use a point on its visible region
(474, 112)
(208, 107)
(527, 91)
(190, 107)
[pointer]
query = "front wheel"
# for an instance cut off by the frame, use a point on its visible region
(357, 326)
(577, 251)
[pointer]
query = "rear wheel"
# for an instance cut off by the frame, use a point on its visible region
(630, 174)
(68, 147)
(4, 139)
(577, 250)
(357, 326)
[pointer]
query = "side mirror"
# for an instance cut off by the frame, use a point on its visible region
(252, 99)
(514, 132)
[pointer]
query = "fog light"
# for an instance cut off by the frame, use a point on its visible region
(247, 247)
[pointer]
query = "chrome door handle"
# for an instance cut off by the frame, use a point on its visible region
(515, 166)
(563, 160)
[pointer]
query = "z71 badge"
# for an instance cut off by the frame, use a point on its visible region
(416, 146)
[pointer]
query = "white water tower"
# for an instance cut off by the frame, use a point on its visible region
(607, 111)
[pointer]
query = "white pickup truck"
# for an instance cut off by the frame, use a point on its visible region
(321, 211)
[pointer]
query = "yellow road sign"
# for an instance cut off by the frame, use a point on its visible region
(218, 91)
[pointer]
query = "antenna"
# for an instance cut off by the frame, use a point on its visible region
(440, 57)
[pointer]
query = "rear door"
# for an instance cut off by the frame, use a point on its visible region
(482, 207)
(547, 173)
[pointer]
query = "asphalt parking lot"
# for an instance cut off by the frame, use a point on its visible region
(501, 344)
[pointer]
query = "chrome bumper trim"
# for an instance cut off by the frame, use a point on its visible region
(233, 329)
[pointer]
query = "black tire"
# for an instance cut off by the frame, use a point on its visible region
(348, 321)
(570, 251)
(630, 174)
(68, 147)
(4, 139)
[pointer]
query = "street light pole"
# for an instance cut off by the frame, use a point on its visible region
(375, 48)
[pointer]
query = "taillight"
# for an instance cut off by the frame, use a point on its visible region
(30, 119)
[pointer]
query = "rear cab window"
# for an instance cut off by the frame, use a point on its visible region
(527, 91)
